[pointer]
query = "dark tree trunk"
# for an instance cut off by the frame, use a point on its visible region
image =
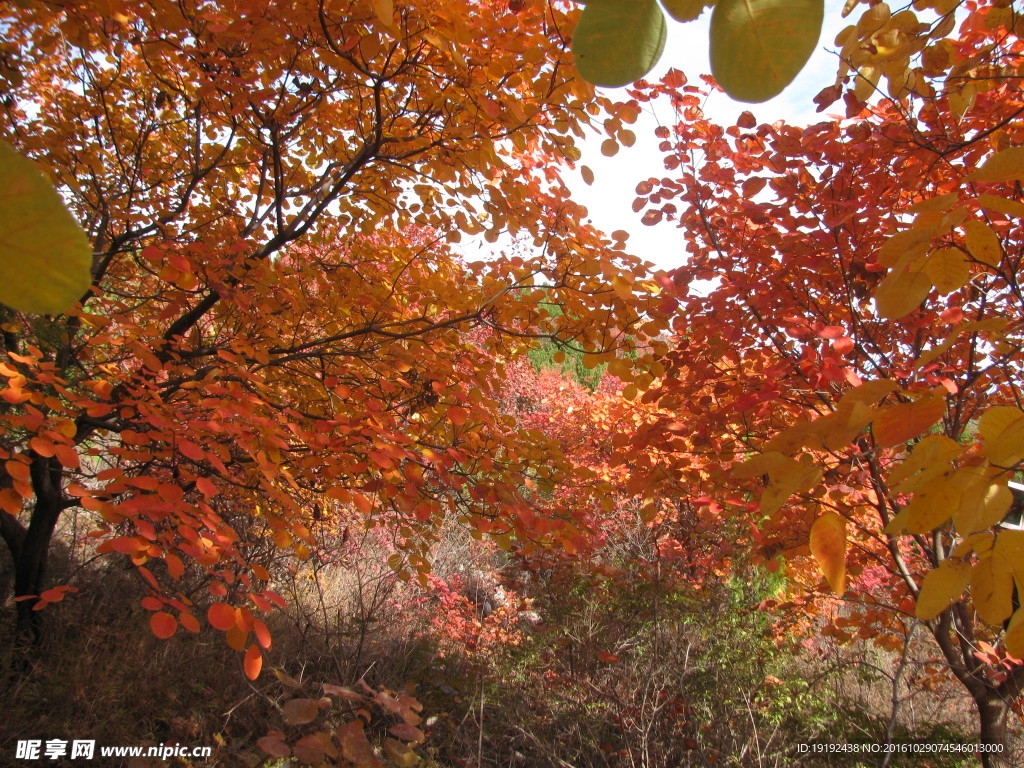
(992, 713)
(30, 546)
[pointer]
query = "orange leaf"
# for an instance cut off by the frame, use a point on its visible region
(163, 624)
(126, 545)
(898, 423)
(189, 622)
(174, 566)
(236, 638)
(42, 447)
(253, 662)
(17, 469)
(221, 616)
(67, 456)
(262, 633)
(457, 415)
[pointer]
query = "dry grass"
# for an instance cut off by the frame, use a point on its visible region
(620, 676)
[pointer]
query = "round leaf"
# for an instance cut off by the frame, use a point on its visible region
(618, 41)
(759, 46)
(685, 10)
(941, 587)
(45, 258)
(163, 624)
(221, 616)
(300, 711)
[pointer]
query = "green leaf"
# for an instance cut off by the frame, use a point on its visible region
(686, 10)
(759, 46)
(45, 258)
(618, 41)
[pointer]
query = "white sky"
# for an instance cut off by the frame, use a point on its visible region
(610, 198)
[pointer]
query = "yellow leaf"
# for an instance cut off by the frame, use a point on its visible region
(849, 422)
(1010, 547)
(979, 543)
(1007, 165)
(929, 459)
(400, 754)
(869, 393)
(1002, 430)
(914, 242)
(45, 257)
(898, 423)
(901, 292)
(933, 506)
(941, 587)
(768, 463)
(947, 269)
(983, 243)
(1002, 205)
(786, 477)
(622, 287)
(828, 546)
(992, 589)
(1013, 640)
(939, 203)
(961, 102)
(898, 524)
(982, 505)
(930, 354)
(994, 421)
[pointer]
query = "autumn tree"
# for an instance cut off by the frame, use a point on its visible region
(278, 329)
(846, 375)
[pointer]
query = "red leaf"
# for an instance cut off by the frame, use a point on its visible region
(406, 732)
(190, 450)
(274, 746)
(844, 345)
(206, 487)
(300, 711)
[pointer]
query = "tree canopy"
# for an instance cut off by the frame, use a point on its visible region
(281, 331)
